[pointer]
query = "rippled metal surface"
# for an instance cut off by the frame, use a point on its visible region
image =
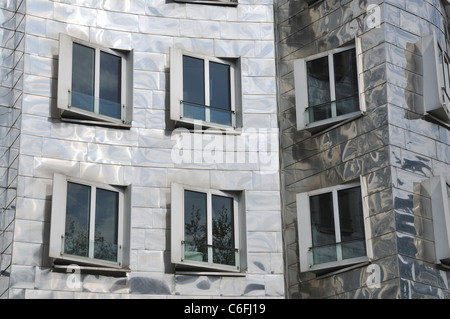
(35, 143)
(391, 145)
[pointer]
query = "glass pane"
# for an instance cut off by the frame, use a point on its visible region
(320, 112)
(195, 229)
(76, 240)
(193, 80)
(345, 74)
(83, 77)
(223, 117)
(219, 86)
(193, 111)
(348, 105)
(318, 81)
(106, 225)
(346, 82)
(110, 85)
(223, 230)
(322, 228)
(351, 222)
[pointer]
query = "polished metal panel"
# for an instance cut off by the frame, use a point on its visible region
(35, 144)
(395, 148)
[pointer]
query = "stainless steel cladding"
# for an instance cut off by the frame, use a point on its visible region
(139, 152)
(394, 145)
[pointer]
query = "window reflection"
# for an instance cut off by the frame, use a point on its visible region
(104, 228)
(83, 77)
(333, 96)
(351, 222)
(110, 85)
(223, 230)
(76, 239)
(319, 88)
(214, 107)
(106, 225)
(345, 239)
(195, 226)
(322, 228)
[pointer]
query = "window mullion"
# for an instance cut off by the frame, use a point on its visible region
(92, 222)
(97, 82)
(332, 85)
(337, 227)
(209, 226)
(207, 92)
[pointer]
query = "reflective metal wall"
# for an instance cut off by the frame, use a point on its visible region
(392, 145)
(12, 29)
(38, 143)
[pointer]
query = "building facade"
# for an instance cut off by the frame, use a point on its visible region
(365, 149)
(139, 150)
(222, 149)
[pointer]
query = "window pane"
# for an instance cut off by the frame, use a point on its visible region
(110, 85)
(219, 85)
(351, 223)
(322, 228)
(106, 225)
(318, 81)
(346, 82)
(195, 229)
(83, 77)
(193, 80)
(223, 230)
(76, 240)
(319, 95)
(220, 93)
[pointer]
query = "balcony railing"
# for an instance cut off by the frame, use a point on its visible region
(208, 114)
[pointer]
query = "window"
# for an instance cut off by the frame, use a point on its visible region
(94, 83)
(204, 90)
(214, 2)
(440, 208)
(326, 88)
(436, 79)
(89, 222)
(332, 231)
(208, 229)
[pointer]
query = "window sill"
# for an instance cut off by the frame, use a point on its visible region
(209, 273)
(323, 126)
(197, 125)
(74, 115)
(91, 270)
(329, 269)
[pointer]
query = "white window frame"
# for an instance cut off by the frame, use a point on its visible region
(301, 89)
(176, 88)
(436, 80)
(74, 114)
(177, 226)
(305, 233)
(440, 208)
(58, 222)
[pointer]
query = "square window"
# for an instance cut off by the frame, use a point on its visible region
(326, 88)
(89, 222)
(204, 90)
(207, 229)
(94, 83)
(332, 231)
(436, 80)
